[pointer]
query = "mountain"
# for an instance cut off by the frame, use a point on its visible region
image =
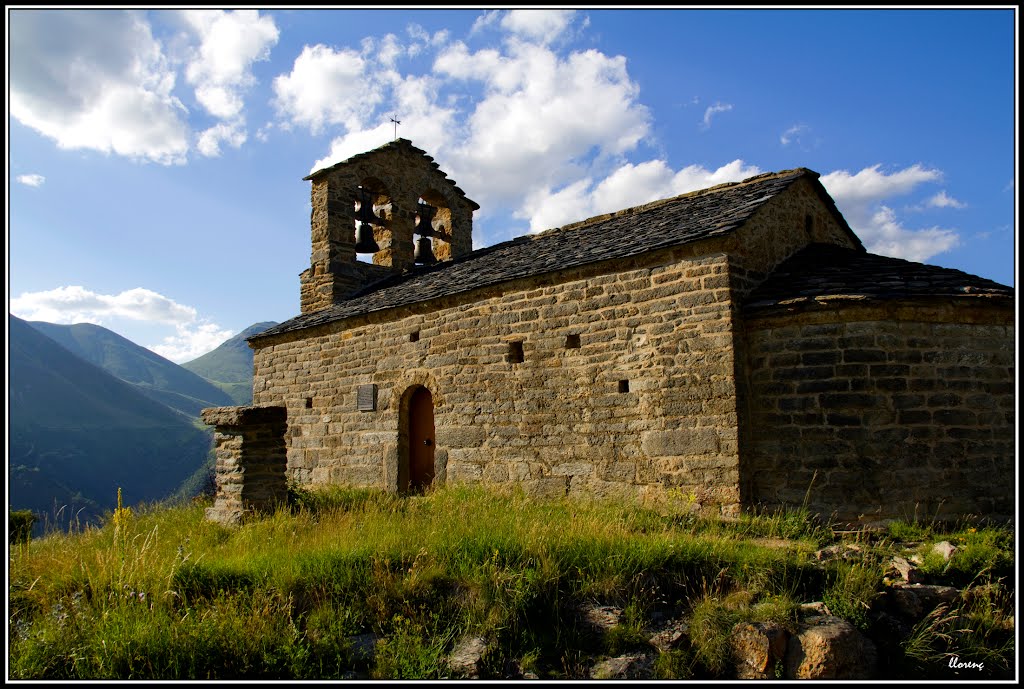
(78, 433)
(230, 365)
(151, 374)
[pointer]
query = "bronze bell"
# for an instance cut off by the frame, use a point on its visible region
(365, 243)
(424, 253)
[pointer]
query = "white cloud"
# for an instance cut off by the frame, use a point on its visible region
(944, 200)
(327, 87)
(32, 180)
(713, 110)
(75, 304)
(191, 340)
(231, 133)
(793, 134)
(629, 185)
(95, 80)
(871, 185)
(542, 25)
(859, 196)
(885, 235)
(220, 67)
(541, 116)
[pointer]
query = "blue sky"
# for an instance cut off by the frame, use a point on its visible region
(155, 158)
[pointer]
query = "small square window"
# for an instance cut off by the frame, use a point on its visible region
(572, 341)
(414, 337)
(309, 403)
(515, 352)
(623, 386)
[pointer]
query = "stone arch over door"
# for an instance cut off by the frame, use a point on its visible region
(416, 440)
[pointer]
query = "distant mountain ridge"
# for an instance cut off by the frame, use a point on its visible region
(151, 374)
(229, 366)
(77, 433)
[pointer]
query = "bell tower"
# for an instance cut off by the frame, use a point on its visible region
(380, 213)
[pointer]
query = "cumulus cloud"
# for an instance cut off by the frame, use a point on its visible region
(76, 304)
(944, 200)
(541, 115)
(327, 87)
(32, 180)
(713, 110)
(95, 80)
(99, 80)
(885, 235)
(859, 197)
(629, 185)
(209, 141)
(542, 25)
(191, 340)
(220, 67)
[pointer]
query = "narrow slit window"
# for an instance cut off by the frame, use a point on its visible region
(515, 352)
(309, 403)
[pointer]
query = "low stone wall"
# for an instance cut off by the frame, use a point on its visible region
(251, 460)
(882, 412)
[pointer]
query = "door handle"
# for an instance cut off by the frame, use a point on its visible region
(428, 442)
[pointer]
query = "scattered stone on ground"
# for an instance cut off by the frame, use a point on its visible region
(757, 647)
(826, 647)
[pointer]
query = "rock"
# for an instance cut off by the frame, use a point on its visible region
(907, 571)
(630, 666)
(670, 636)
(845, 551)
(827, 647)
(814, 609)
(917, 600)
(601, 618)
(945, 549)
(465, 660)
(757, 647)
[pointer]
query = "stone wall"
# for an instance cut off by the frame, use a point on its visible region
(626, 383)
(251, 460)
(780, 228)
(889, 411)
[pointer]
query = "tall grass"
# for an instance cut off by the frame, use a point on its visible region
(345, 583)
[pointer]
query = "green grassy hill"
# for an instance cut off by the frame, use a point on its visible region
(151, 374)
(230, 365)
(77, 433)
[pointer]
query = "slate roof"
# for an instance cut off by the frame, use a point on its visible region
(691, 217)
(826, 273)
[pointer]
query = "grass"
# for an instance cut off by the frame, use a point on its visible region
(351, 583)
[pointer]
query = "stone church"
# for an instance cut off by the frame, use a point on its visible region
(737, 345)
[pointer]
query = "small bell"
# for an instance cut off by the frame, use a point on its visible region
(424, 253)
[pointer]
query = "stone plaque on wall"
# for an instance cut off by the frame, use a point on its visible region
(366, 397)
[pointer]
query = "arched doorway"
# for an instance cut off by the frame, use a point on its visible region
(419, 429)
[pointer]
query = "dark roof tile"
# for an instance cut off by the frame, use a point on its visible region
(684, 219)
(826, 272)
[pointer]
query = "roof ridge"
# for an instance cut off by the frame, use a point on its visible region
(764, 176)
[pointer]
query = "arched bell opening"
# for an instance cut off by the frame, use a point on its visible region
(433, 229)
(373, 209)
(416, 441)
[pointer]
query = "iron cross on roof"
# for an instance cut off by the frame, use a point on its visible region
(397, 122)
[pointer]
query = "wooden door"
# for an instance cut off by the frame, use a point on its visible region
(421, 439)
